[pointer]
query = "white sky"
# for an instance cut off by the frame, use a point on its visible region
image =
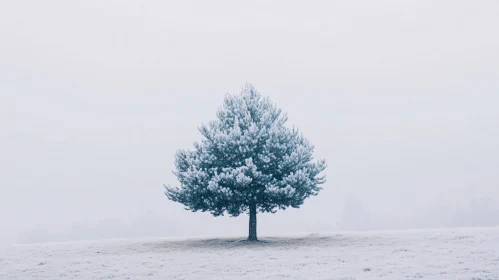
(401, 98)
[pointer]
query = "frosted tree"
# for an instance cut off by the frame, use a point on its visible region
(247, 162)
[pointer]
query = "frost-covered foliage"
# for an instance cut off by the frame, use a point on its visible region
(248, 158)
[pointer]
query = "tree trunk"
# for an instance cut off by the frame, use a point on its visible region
(252, 224)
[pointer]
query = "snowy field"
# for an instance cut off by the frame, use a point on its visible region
(426, 254)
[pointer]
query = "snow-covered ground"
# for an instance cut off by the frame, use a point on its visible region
(426, 254)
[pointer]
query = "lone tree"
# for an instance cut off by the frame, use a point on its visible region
(247, 162)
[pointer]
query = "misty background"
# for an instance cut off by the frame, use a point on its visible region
(401, 98)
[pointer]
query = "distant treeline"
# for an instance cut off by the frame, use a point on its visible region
(478, 213)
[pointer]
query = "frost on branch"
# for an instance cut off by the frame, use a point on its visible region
(247, 157)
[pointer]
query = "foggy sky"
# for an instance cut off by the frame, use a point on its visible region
(401, 98)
